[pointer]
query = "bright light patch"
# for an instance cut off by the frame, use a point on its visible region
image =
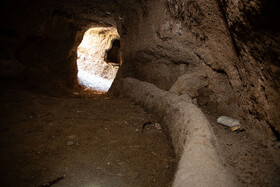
(94, 71)
(93, 82)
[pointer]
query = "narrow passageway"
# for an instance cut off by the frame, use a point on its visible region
(98, 58)
(91, 140)
(79, 79)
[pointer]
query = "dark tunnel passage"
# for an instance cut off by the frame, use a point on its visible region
(113, 55)
(172, 69)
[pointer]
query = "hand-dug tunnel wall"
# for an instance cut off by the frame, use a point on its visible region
(213, 51)
(44, 41)
(190, 132)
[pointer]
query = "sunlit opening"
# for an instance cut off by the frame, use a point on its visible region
(99, 58)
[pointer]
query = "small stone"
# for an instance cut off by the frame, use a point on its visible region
(194, 101)
(157, 126)
(71, 137)
(70, 143)
(136, 130)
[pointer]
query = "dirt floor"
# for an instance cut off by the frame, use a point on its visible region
(252, 162)
(96, 140)
(91, 140)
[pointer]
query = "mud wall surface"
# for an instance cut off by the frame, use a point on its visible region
(191, 134)
(184, 46)
(209, 51)
(43, 37)
(223, 53)
(254, 27)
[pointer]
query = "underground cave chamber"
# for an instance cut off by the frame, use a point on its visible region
(186, 62)
(98, 58)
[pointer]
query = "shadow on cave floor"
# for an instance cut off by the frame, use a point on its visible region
(250, 160)
(93, 140)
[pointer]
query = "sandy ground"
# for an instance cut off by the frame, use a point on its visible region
(96, 140)
(252, 162)
(92, 140)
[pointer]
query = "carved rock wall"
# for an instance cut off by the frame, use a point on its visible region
(223, 53)
(255, 29)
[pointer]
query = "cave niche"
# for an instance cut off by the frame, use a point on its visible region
(113, 55)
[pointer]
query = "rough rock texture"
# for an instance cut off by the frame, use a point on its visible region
(223, 53)
(42, 40)
(255, 29)
(44, 35)
(190, 132)
(184, 38)
(186, 45)
(113, 55)
(92, 52)
(228, 48)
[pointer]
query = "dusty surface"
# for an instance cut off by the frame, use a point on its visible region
(232, 43)
(193, 139)
(92, 140)
(224, 54)
(252, 162)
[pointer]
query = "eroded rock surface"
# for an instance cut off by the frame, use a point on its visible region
(232, 43)
(92, 52)
(224, 53)
(94, 69)
(254, 27)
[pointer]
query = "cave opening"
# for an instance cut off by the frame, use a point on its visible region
(98, 58)
(190, 69)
